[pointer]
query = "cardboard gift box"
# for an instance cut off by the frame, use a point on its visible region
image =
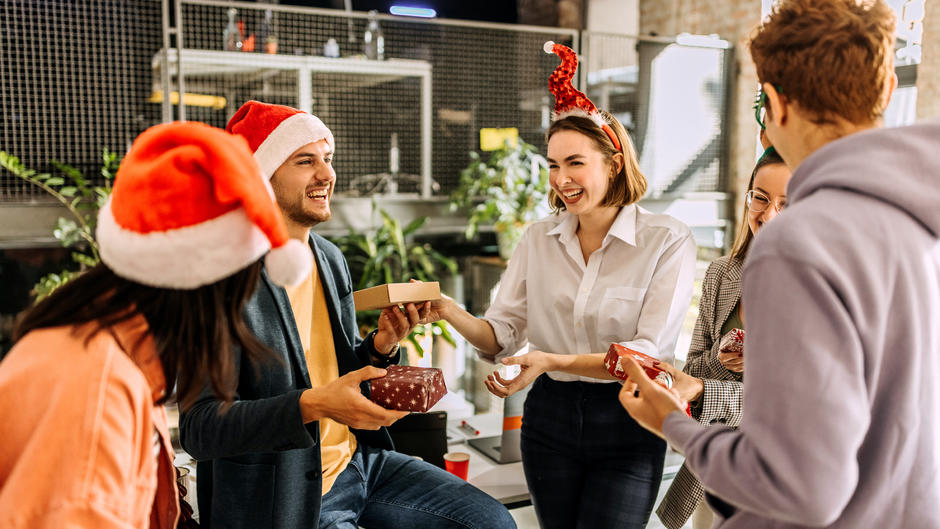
(732, 342)
(647, 362)
(408, 388)
(391, 294)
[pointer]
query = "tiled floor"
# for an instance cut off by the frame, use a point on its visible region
(525, 516)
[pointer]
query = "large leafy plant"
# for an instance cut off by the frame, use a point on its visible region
(509, 190)
(389, 256)
(82, 199)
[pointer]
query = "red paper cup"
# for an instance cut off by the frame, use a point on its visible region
(457, 463)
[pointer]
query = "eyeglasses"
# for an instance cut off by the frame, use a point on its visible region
(760, 106)
(758, 202)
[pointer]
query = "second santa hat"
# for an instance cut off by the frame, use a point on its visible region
(274, 132)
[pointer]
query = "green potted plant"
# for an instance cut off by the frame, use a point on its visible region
(509, 190)
(387, 256)
(82, 199)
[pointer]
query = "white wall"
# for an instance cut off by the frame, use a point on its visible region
(614, 16)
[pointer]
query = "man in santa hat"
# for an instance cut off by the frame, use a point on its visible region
(302, 447)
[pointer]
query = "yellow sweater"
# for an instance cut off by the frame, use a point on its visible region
(308, 302)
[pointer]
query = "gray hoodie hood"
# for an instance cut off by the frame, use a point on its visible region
(909, 175)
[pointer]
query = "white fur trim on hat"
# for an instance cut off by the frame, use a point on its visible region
(289, 264)
(291, 134)
(182, 258)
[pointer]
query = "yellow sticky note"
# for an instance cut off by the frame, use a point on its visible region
(492, 139)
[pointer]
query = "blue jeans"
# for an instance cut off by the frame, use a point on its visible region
(587, 463)
(385, 489)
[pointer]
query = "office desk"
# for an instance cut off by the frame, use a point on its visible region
(505, 482)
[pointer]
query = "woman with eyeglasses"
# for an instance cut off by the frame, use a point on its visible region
(711, 378)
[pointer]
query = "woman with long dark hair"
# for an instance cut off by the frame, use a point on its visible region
(83, 440)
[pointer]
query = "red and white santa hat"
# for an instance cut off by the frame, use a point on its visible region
(189, 207)
(569, 101)
(274, 132)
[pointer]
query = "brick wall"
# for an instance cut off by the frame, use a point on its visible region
(928, 73)
(731, 20)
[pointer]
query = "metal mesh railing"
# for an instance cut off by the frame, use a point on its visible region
(481, 75)
(77, 77)
(672, 97)
(73, 80)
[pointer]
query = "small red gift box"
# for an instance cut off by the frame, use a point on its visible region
(647, 362)
(732, 342)
(408, 388)
(613, 363)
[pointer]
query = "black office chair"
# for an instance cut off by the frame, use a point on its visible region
(423, 435)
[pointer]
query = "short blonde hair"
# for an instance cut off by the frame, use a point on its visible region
(627, 186)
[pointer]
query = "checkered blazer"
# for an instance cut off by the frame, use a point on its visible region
(721, 400)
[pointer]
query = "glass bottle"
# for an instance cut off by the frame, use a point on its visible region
(264, 33)
(231, 37)
(374, 41)
(331, 48)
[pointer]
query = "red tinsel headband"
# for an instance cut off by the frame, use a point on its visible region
(569, 101)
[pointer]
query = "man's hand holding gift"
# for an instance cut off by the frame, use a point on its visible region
(342, 401)
(395, 325)
(647, 401)
(690, 388)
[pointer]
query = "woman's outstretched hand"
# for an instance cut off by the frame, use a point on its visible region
(533, 364)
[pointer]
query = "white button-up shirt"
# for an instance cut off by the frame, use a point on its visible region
(634, 290)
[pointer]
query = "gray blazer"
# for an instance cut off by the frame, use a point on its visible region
(721, 400)
(259, 464)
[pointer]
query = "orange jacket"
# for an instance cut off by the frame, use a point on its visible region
(82, 442)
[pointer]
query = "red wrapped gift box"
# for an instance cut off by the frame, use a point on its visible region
(732, 342)
(647, 362)
(408, 388)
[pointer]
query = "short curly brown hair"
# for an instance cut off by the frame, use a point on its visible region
(833, 57)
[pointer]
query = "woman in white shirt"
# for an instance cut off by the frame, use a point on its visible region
(601, 270)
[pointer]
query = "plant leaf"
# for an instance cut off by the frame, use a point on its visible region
(414, 225)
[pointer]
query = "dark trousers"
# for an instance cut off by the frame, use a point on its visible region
(587, 463)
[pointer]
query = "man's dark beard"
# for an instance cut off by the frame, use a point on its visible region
(297, 215)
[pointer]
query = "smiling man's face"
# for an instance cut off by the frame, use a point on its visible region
(303, 185)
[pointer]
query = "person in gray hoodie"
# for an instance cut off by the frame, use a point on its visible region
(841, 294)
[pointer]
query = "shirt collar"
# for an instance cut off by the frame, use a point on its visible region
(133, 336)
(565, 228)
(623, 228)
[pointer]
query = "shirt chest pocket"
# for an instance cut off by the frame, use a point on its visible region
(619, 312)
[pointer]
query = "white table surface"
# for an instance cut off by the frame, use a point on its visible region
(505, 482)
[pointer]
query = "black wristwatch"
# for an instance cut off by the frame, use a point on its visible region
(391, 353)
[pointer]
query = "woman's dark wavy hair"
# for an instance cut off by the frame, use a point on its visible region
(195, 331)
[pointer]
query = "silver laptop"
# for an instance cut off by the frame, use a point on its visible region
(505, 448)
